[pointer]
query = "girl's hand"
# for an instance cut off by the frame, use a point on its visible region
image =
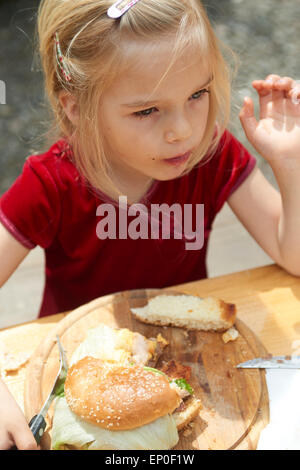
(14, 429)
(276, 136)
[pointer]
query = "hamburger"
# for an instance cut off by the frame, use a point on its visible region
(113, 399)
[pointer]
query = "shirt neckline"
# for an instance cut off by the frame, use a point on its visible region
(143, 200)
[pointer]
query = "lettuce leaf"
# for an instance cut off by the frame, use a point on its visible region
(181, 383)
(156, 371)
(69, 428)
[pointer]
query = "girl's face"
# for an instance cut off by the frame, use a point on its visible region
(141, 137)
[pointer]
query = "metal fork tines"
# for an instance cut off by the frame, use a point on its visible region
(62, 358)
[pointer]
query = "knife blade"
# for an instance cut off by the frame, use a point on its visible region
(272, 362)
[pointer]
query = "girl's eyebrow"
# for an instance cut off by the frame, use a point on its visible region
(141, 103)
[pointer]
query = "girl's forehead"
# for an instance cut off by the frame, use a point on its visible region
(146, 65)
(155, 56)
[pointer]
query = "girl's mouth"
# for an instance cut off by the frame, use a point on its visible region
(178, 160)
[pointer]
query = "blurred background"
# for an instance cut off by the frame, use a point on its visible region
(265, 37)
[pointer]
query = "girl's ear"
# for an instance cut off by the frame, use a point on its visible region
(69, 104)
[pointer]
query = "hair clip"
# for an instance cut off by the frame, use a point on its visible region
(120, 7)
(60, 59)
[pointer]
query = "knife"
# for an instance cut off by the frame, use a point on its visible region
(272, 362)
(38, 423)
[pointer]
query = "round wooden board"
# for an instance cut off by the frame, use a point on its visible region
(235, 401)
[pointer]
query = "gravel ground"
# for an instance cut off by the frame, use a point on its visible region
(264, 35)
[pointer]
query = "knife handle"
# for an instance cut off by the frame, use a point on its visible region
(37, 428)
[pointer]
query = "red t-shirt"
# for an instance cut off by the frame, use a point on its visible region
(50, 205)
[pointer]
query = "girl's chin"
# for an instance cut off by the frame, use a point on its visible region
(160, 172)
(170, 172)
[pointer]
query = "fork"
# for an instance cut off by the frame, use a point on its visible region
(38, 423)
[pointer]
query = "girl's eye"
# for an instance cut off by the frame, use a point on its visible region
(144, 113)
(200, 93)
(149, 111)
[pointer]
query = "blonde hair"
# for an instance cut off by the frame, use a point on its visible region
(91, 45)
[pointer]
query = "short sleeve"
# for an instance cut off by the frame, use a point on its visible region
(30, 209)
(229, 168)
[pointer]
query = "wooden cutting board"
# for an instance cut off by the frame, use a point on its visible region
(235, 401)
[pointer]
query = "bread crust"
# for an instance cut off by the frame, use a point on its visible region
(228, 312)
(115, 397)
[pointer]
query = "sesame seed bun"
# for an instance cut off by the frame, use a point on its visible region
(117, 397)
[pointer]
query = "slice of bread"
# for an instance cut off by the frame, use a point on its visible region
(187, 311)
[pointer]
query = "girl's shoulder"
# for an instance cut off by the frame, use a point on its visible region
(226, 169)
(55, 163)
(227, 159)
(229, 148)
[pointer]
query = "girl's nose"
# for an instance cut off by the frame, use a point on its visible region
(179, 129)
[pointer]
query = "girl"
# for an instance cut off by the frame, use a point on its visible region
(141, 104)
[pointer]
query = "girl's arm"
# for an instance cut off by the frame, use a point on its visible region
(273, 218)
(12, 253)
(257, 204)
(14, 429)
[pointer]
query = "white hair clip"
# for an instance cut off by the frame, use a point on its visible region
(120, 7)
(296, 93)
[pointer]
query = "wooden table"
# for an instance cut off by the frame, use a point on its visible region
(267, 300)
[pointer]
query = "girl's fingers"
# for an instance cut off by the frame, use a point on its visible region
(261, 87)
(294, 94)
(272, 78)
(5, 441)
(247, 117)
(267, 85)
(284, 83)
(13, 425)
(273, 83)
(25, 441)
(23, 436)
